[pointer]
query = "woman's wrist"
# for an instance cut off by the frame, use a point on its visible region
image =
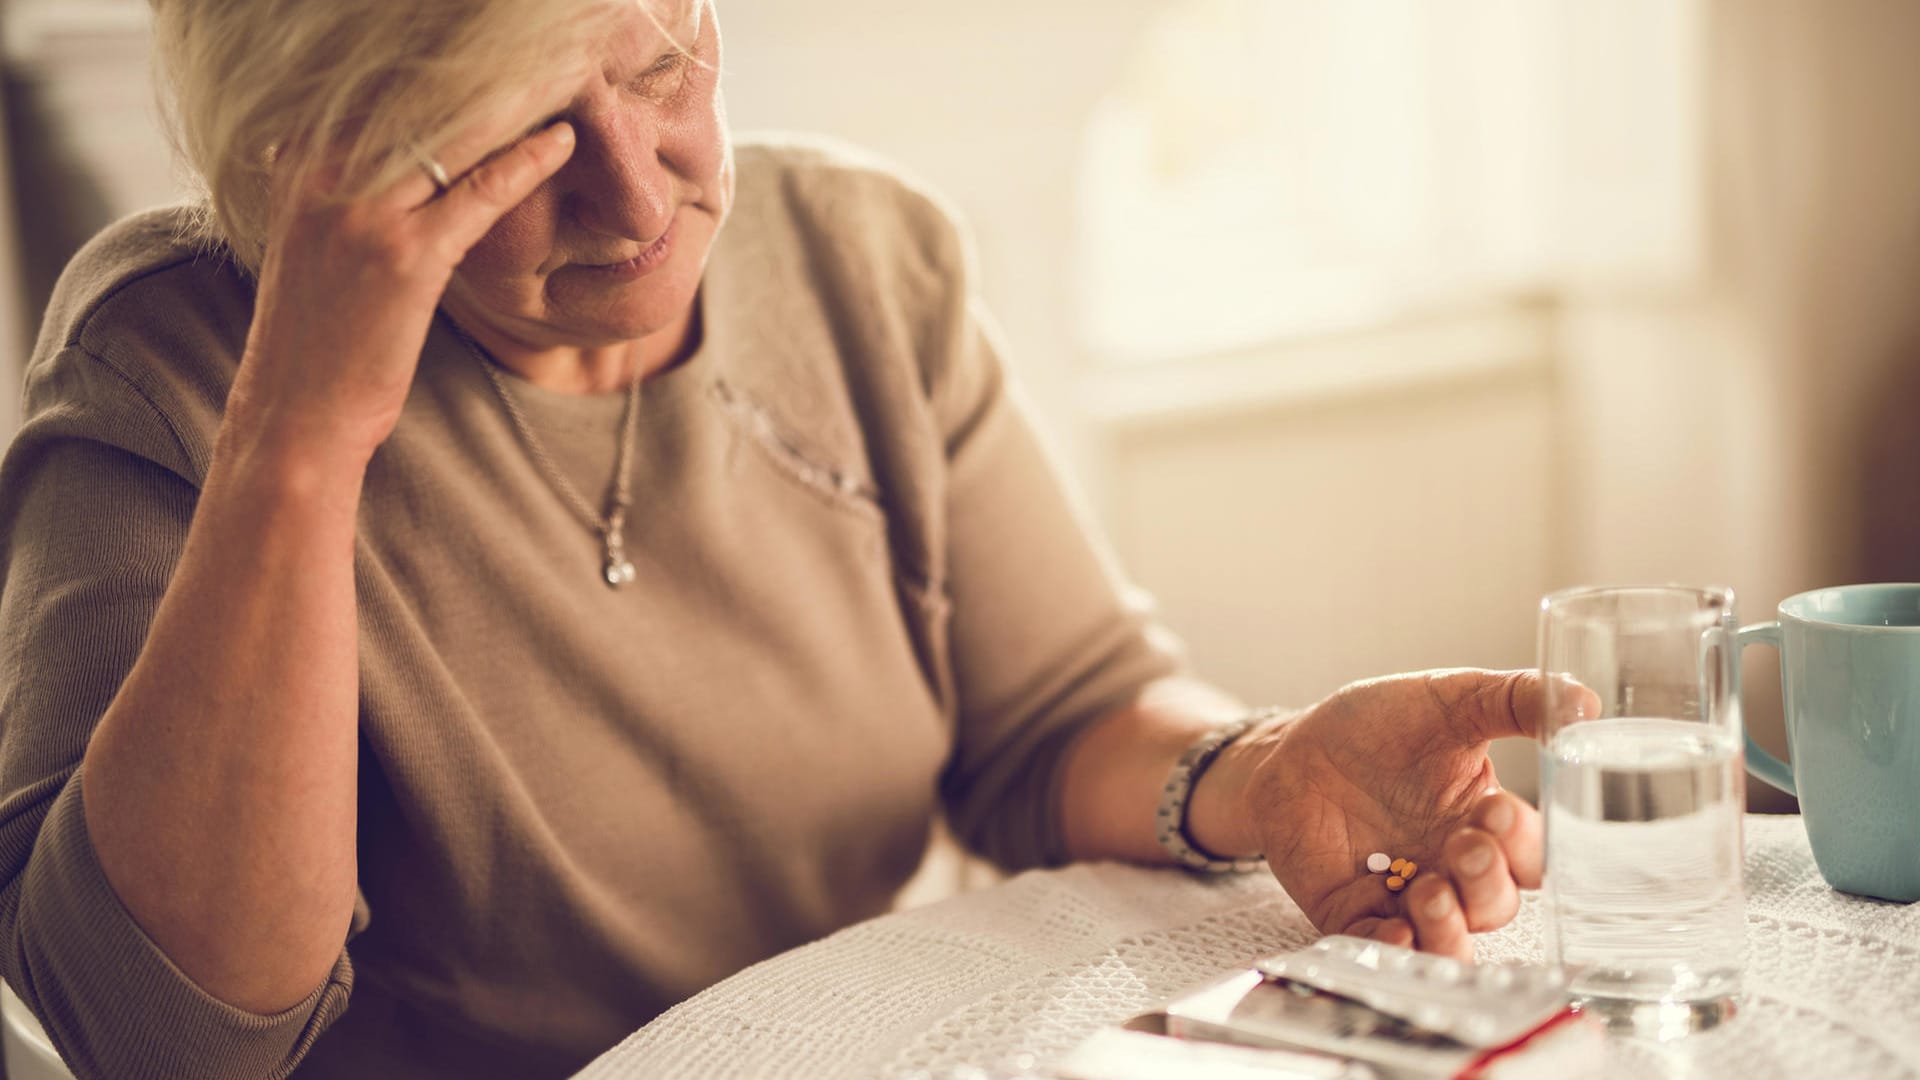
(1219, 819)
(1115, 770)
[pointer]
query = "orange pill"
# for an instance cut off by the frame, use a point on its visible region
(1397, 866)
(1396, 883)
(1409, 870)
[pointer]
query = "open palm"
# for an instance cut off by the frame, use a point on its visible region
(1399, 765)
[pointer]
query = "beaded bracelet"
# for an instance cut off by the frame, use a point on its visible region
(1170, 822)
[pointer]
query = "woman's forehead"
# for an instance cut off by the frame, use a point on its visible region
(653, 29)
(649, 30)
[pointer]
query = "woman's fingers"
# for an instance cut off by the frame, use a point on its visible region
(471, 206)
(507, 123)
(1439, 925)
(1389, 931)
(502, 128)
(1481, 879)
(1515, 826)
(1480, 705)
(1488, 862)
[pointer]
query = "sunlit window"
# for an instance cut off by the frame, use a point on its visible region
(1271, 168)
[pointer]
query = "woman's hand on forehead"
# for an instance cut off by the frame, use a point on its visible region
(349, 287)
(518, 118)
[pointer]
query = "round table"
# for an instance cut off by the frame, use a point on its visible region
(1009, 978)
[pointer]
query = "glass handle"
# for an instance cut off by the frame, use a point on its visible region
(1760, 763)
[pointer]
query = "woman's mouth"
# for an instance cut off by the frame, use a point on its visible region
(642, 264)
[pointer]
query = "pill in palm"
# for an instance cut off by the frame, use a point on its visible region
(1409, 869)
(1378, 863)
(1396, 883)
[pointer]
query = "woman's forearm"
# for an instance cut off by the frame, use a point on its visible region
(220, 786)
(1114, 772)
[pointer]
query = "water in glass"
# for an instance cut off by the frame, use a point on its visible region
(1644, 888)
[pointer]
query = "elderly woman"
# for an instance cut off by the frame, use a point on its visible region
(513, 557)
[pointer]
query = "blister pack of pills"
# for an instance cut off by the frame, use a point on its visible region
(1405, 1013)
(1476, 1004)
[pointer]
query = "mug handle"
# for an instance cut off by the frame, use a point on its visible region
(1760, 763)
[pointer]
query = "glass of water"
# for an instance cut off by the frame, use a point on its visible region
(1642, 787)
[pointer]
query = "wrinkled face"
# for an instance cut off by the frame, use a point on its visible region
(611, 249)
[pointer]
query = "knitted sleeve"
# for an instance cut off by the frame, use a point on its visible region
(91, 527)
(1045, 633)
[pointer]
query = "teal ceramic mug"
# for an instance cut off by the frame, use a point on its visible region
(1850, 678)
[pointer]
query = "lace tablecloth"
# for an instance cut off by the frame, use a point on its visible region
(996, 982)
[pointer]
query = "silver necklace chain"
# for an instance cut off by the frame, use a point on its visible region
(616, 569)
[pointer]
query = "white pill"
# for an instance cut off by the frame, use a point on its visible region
(1378, 862)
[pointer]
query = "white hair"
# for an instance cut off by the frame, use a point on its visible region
(376, 82)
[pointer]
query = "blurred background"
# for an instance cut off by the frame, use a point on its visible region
(1362, 323)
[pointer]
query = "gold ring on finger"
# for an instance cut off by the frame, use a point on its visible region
(435, 171)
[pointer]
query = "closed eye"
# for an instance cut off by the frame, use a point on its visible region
(661, 68)
(643, 83)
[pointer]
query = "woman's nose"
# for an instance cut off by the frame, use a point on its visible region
(619, 185)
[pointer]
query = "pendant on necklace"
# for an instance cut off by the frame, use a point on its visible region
(619, 570)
